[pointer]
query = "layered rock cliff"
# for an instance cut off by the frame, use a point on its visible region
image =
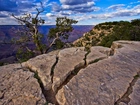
(74, 76)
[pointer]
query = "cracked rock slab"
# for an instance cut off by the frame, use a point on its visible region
(97, 53)
(135, 96)
(19, 87)
(104, 82)
(129, 50)
(102, 79)
(69, 60)
(42, 65)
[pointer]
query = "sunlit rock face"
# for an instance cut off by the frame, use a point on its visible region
(75, 76)
(110, 81)
(19, 87)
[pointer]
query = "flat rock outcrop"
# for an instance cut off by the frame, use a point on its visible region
(19, 87)
(69, 60)
(75, 76)
(108, 82)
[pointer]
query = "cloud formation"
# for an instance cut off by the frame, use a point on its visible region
(15, 5)
(50, 15)
(81, 10)
(116, 7)
(74, 2)
(135, 11)
(127, 12)
(135, 2)
(79, 6)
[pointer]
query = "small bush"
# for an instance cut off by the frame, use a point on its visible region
(23, 55)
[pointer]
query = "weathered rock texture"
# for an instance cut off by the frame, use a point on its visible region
(19, 87)
(108, 82)
(74, 76)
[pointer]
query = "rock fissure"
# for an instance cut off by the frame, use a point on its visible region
(96, 60)
(48, 94)
(85, 59)
(125, 98)
(74, 72)
(53, 67)
(75, 76)
(70, 76)
(77, 69)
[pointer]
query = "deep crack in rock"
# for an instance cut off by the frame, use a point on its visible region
(48, 94)
(125, 98)
(53, 67)
(85, 59)
(76, 70)
(96, 60)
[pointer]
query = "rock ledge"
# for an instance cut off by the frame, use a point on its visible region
(74, 76)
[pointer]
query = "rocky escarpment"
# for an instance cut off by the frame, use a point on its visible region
(74, 76)
(94, 36)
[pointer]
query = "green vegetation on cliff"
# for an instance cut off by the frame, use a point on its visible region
(56, 38)
(105, 33)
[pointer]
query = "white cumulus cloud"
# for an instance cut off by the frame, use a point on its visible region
(50, 15)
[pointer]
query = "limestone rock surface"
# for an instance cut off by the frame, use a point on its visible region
(97, 53)
(135, 96)
(42, 65)
(70, 59)
(19, 87)
(74, 76)
(109, 81)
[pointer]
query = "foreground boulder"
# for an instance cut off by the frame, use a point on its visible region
(19, 87)
(112, 81)
(75, 76)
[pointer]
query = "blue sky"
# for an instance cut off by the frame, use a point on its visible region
(87, 12)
